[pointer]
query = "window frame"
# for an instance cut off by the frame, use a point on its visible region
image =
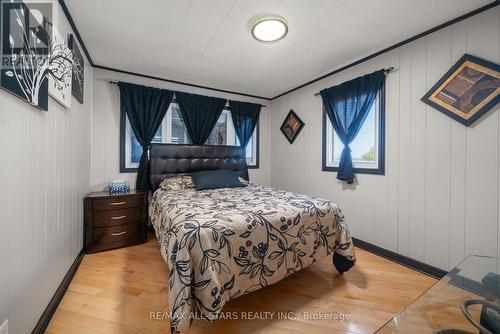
(123, 141)
(380, 170)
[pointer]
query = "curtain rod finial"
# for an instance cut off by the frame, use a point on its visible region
(386, 70)
(391, 69)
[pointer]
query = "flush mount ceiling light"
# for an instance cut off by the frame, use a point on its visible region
(269, 28)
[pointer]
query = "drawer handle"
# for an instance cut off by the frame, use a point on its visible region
(119, 233)
(117, 218)
(117, 203)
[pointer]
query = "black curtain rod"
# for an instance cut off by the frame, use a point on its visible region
(387, 70)
(116, 83)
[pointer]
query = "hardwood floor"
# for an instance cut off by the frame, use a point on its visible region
(116, 291)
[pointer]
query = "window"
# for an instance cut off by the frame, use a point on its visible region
(173, 130)
(367, 149)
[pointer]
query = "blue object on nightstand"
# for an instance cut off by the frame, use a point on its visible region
(119, 187)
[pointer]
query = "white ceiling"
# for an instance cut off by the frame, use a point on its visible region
(208, 42)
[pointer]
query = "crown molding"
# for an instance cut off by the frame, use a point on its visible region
(343, 68)
(397, 45)
(179, 82)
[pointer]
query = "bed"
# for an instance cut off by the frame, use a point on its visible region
(220, 244)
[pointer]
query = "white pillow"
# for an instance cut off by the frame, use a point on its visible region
(242, 180)
(177, 183)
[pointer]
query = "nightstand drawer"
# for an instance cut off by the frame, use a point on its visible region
(117, 217)
(118, 202)
(117, 236)
(113, 221)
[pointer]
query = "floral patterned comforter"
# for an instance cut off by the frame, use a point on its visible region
(223, 243)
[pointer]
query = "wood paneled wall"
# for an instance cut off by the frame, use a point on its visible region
(439, 198)
(106, 128)
(45, 163)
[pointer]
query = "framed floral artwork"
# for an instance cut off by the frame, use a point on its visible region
(291, 127)
(78, 75)
(467, 91)
(60, 70)
(25, 51)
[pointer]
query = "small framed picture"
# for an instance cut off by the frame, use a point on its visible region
(467, 91)
(291, 127)
(78, 77)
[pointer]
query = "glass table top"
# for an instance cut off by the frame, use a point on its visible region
(472, 284)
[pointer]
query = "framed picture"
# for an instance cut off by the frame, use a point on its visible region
(467, 91)
(23, 38)
(78, 76)
(291, 127)
(60, 70)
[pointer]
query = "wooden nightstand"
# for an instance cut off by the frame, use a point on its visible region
(113, 221)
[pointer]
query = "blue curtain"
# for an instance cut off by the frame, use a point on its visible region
(245, 117)
(145, 108)
(347, 106)
(200, 114)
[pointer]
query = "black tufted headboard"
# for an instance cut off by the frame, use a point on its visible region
(168, 160)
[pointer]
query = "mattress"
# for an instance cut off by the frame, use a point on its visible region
(223, 243)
